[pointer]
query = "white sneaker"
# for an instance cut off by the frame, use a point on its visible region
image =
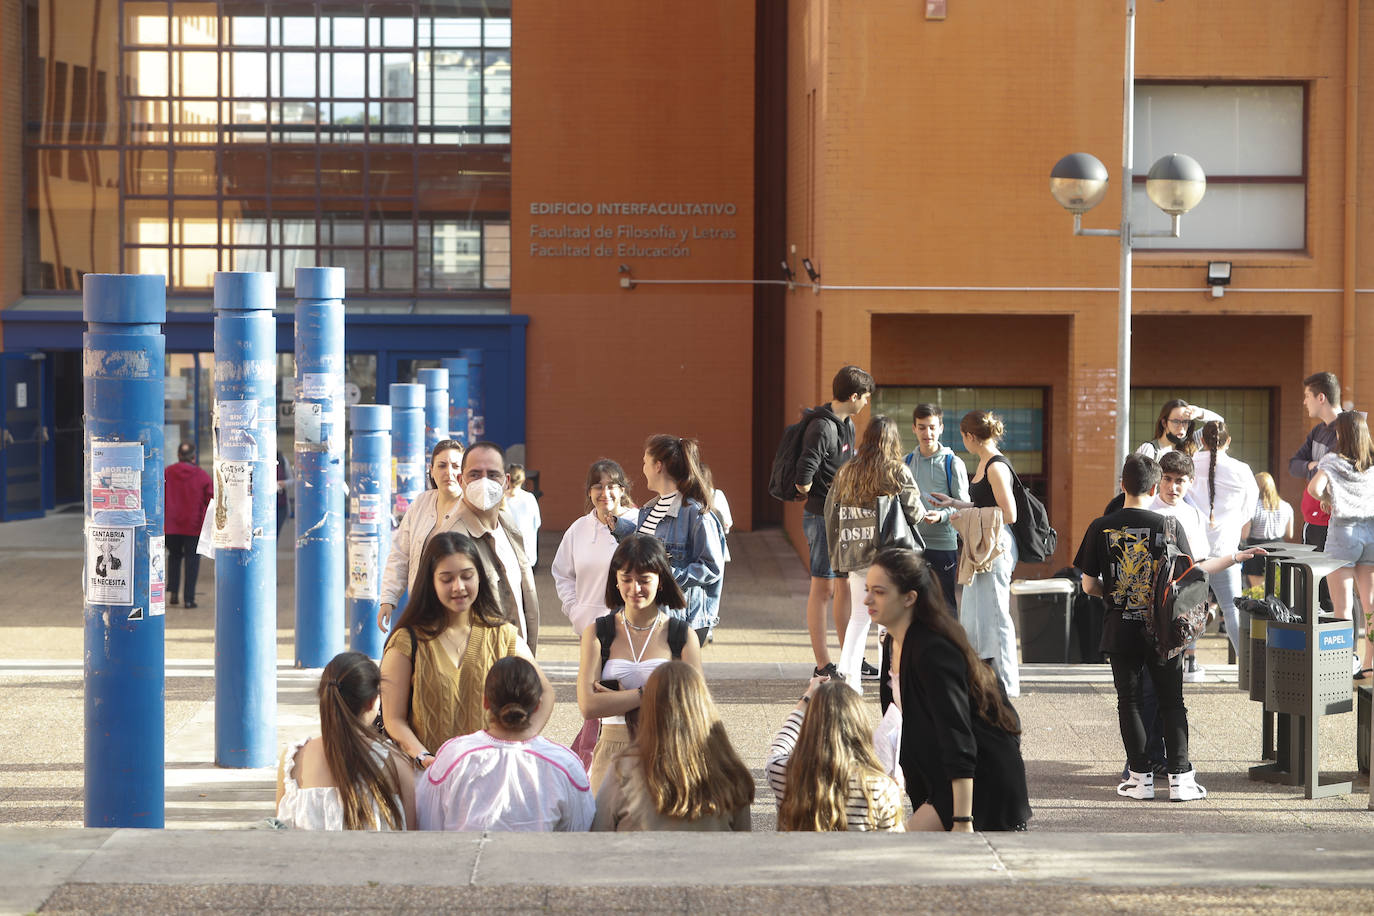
(1184, 787)
(1140, 786)
(1194, 674)
(1355, 666)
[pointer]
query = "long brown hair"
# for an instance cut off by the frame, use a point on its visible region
(424, 611)
(1352, 440)
(834, 747)
(910, 573)
(690, 768)
(348, 686)
(682, 461)
(876, 468)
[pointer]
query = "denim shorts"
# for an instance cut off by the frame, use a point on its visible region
(1352, 542)
(814, 526)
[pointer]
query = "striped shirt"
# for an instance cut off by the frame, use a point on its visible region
(656, 513)
(886, 813)
(1270, 524)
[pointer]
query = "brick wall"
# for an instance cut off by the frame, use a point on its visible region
(639, 103)
(919, 156)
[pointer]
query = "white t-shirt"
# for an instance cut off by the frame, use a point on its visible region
(478, 782)
(505, 552)
(1193, 523)
(1236, 496)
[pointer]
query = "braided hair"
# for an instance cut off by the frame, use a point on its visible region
(1214, 439)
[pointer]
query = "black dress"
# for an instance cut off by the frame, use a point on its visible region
(944, 739)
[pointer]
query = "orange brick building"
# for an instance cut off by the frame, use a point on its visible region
(902, 148)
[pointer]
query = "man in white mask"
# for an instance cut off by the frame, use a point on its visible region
(481, 518)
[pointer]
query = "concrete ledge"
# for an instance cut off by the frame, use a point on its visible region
(33, 858)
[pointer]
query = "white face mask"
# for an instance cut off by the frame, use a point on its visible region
(485, 493)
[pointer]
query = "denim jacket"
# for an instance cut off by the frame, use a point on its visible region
(694, 541)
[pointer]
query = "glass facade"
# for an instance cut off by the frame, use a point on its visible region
(1023, 411)
(188, 137)
(1248, 413)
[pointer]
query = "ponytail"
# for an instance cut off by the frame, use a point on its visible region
(348, 686)
(682, 461)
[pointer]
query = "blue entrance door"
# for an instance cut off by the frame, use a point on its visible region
(23, 436)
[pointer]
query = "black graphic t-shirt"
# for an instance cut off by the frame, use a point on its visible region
(1123, 548)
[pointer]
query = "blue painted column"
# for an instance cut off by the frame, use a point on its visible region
(477, 399)
(459, 411)
(369, 523)
(409, 459)
(319, 465)
(436, 406)
(245, 522)
(125, 361)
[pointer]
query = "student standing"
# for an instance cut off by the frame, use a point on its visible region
(1118, 556)
(985, 610)
(1226, 493)
(937, 470)
(1345, 483)
(827, 444)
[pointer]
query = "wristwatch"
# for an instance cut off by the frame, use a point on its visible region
(420, 758)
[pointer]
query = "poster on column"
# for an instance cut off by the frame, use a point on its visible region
(367, 508)
(157, 576)
(117, 483)
(233, 505)
(362, 568)
(110, 565)
(236, 430)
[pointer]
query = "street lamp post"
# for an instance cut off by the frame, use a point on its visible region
(1175, 184)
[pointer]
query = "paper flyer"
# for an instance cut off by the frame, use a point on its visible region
(363, 578)
(236, 430)
(110, 565)
(157, 576)
(368, 508)
(117, 482)
(233, 505)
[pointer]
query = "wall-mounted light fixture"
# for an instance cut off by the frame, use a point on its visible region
(788, 274)
(811, 271)
(626, 281)
(1218, 277)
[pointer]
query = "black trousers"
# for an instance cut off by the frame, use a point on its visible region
(1315, 536)
(182, 548)
(1129, 671)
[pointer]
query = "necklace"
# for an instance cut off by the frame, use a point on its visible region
(626, 618)
(638, 656)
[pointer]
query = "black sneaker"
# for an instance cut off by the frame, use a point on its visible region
(829, 671)
(867, 671)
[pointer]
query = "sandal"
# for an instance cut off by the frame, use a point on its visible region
(1363, 674)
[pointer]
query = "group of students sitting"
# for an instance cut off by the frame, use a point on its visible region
(675, 768)
(681, 772)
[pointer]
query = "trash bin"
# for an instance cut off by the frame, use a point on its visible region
(1043, 614)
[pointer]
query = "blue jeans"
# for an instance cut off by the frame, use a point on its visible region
(818, 546)
(986, 615)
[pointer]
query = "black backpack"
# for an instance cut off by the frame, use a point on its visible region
(782, 482)
(1178, 606)
(1035, 537)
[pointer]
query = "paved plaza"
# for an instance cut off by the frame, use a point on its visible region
(1249, 846)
